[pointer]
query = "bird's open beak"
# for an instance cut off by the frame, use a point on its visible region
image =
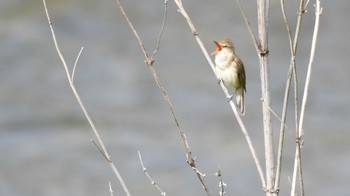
(218, 48)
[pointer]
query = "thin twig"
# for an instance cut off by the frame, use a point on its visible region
(261, 47)
(292, 72)
(110, 188)
(306, 4)
(256, 44)
(301, 11)
(183, 12)
(274, 113)
(162, 28)
(318, 12)
(222, 184)
(282, 130)
(288, 26)
(149, 61)
(99, 149)
(70, 79)
(76, 63)
(149, 177)
(72, 84)
(300, 170)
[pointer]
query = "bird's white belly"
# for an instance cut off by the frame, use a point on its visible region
(228, 75)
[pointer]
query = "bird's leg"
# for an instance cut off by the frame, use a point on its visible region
(229, 98)
(219, 80)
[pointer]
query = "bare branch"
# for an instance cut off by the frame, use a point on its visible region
(263, 16)
(100, 150)
(292, 72)
(162, 28)
(182, 10)
(297, 161)
(149, 177)
(274, 113)
(222, 184)
(149, 61)
(306, 4)
(76, 62)
(77, 96)
(71, 83)
(255, 41)
(318, 13)
(288, 27)
(110, 188)
(282, 129)
(261, 47)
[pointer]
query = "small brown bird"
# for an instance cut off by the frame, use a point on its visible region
(230, 70)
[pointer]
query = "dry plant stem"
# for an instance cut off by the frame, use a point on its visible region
(110, 188)
(282, 130)
(182, 10)
(149, 61)
(149, 177)
(221, 184)
(70, 78)
(161, 29)
(76, 63)
(256, 44)
(263, 11)
(262, 50)
(318, 12)
(292, 72)
(274, 113)
(300, 170)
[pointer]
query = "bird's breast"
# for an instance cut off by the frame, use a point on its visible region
(228, 74)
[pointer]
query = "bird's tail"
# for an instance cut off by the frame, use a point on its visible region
(240, 100)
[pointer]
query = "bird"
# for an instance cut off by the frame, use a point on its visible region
(230, 70)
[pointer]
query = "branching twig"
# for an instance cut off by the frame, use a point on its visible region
(149, 61)
(274, 113)
(162, 28)
(261, 46)
(307, 3)
(318, 13)
(76, 63)
(99, 149)
(182, 10)
(110, 188)
(222, 184)
(149, 177)
(70, 78)
(292, 72)
(297, 161)
(256, 44)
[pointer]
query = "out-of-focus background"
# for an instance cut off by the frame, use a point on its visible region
(45, 146)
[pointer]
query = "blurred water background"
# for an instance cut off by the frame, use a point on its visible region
(45, 146)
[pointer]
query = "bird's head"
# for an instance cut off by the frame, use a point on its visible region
(224, 43)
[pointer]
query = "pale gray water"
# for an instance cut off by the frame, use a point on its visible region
(45, 146)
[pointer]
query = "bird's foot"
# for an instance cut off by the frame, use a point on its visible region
(229, 98)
